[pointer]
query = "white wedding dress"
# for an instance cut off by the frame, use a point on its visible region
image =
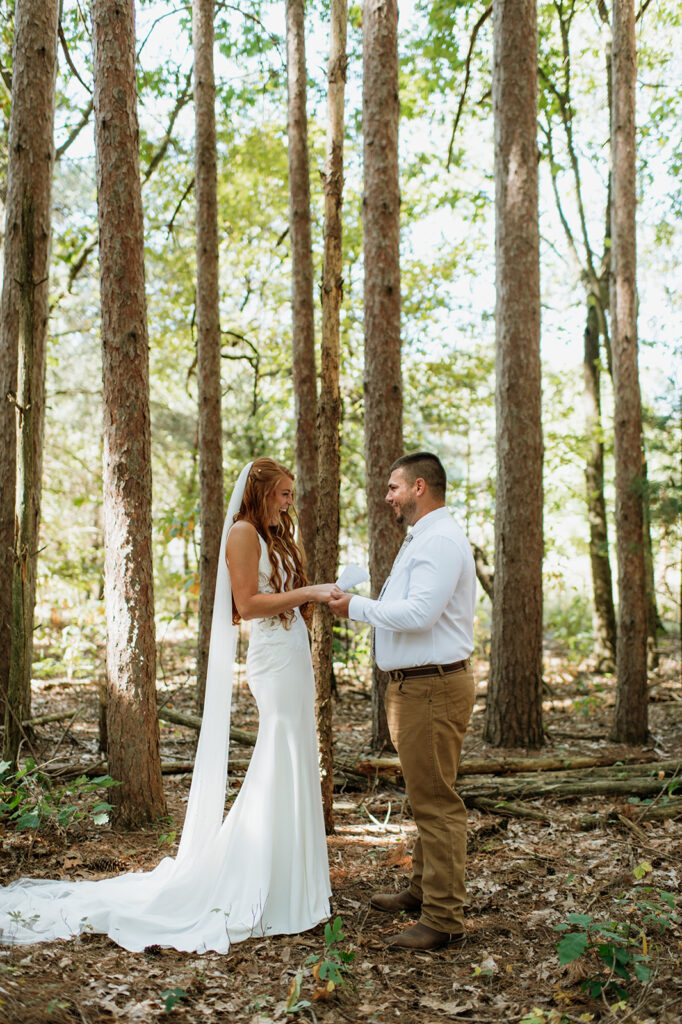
(262, 870)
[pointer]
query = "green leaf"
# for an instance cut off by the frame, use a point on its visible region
(100, 819)
(642, 972)
(583, 919)
(171, 996)
(29, 820)
(571, 947)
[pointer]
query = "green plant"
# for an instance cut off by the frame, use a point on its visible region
(30, 799)
(166, 835)
(330, 966)
(171, 996)
(614, 943)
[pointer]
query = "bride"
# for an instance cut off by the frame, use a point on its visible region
(262, 869)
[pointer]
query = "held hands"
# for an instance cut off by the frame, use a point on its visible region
(328, 593)
(322, 593)
(339, 602)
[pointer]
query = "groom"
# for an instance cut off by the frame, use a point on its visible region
(423, 624)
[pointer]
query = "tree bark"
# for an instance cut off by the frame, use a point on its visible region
(653, 621)
(23, 336)
(303, 316)
(381, 227)
(208, 329)
(514, 711)
(132, 723)
(630, 725)
(604, 625)
(329, 417)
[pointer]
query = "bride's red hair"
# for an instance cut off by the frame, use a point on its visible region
(288, 572)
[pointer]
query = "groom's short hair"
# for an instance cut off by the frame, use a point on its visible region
(424, 465)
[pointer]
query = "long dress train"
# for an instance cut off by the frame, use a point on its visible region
(264, 871)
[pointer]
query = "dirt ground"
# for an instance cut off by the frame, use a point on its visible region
(524, 878)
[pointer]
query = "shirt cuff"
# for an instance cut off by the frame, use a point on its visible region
(356, 608)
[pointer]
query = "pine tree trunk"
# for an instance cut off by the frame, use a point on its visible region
(652, 617)
(381, 227)
(630, 724)
(132, 723)
(327, 538)
(23, 336)
(208, 329)
(602, 583)
(514, 712)
(303, 318)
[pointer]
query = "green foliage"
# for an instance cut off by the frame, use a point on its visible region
(31, 800)
(331, 965)
(617, 951)
(568, 621)
(172, 996)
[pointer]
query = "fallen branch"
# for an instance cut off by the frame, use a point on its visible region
(512, 765)
(248, 739)
(507, 809)
(56, 716)
(648, 812)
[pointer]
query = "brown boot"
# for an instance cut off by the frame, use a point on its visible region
(422, 937)
(394, 902)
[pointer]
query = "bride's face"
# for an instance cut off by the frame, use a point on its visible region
(281, 499)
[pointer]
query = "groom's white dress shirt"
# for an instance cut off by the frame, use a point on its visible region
(426, 611)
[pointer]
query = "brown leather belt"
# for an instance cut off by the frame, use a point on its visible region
(398, 674)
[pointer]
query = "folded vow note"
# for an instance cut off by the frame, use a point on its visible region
(351, 575)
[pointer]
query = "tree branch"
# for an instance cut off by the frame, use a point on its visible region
(181, 101)
(75, 132)
(65, 48)
(176, 211)
(467, 66)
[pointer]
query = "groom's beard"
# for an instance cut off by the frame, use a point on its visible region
(405, 513)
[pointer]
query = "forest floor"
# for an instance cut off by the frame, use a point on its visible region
(524, 878)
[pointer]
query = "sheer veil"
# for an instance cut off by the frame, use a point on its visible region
(206, 802)
(173, 905)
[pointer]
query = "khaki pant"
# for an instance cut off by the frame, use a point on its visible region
(427, 719)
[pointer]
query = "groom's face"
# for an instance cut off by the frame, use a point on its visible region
(401, 497)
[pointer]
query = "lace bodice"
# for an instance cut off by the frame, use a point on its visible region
(270, 627)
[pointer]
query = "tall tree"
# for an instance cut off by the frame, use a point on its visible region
(132, 723)
(630, 724)
(208, 327)
(558, 102)
(381, 240)
(327, 537)
(514, 714)
(303, 316)
(602, 583)
(23, 335)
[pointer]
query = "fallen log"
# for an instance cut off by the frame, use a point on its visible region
(507, 809)
(93, 769)
(511, 765)
(56, 716)
(586, 787)
(653, 812)
(247, 739)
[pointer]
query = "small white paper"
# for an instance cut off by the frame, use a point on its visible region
(351, 575)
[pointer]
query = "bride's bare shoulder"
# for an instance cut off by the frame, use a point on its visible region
(243, 537)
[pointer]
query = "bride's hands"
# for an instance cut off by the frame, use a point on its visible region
(323, 593)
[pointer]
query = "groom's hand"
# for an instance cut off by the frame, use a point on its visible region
(339, 603)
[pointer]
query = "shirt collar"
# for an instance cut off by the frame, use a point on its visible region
(431, 517)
